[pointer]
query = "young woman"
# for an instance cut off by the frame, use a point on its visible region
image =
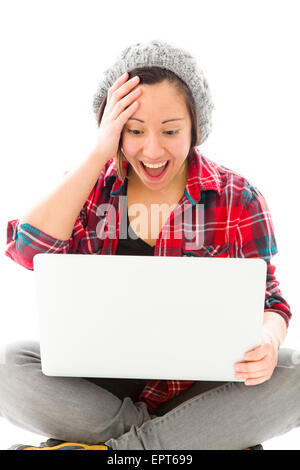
(153, 110)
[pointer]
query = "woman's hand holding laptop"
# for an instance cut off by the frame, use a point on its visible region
(260, 361)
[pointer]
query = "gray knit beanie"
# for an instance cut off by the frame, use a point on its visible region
(162, 54)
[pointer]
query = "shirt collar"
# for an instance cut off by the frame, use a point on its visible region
(203, 175)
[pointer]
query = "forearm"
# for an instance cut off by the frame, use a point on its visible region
(57, 213)
(275, 326)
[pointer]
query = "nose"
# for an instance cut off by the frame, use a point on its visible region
(152, 148)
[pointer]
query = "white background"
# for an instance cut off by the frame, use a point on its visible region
(54, 53)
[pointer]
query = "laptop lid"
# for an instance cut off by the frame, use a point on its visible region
(180, 318)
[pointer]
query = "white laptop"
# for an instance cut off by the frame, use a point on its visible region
(148, 317)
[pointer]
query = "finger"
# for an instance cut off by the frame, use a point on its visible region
(117, 83)
(129, 111)
(257, 353)
(256, 381)
(247, 368)
(251, 375)
(253, 366)
(124, 89)
(125, 102)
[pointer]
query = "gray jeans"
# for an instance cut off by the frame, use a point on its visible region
(209, 415)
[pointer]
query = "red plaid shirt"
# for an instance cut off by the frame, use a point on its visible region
(236, 223)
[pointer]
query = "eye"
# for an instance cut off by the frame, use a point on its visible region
(132, 131)
(174, 132)
(136, 132)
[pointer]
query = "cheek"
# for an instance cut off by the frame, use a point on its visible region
(179, 150)
(129, 146)
(177, 147)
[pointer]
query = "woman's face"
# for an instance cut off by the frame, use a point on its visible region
(148, 139)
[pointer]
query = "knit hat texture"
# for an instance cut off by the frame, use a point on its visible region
(166, 55)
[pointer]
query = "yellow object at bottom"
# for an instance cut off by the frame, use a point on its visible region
(69, 446)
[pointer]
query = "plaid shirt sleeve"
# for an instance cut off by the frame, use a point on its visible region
(255, 238)
(24, 241)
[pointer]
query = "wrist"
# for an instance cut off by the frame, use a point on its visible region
(271, 337)
(99, 156)
(275, 326)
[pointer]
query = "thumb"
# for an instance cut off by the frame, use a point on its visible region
(255, 354)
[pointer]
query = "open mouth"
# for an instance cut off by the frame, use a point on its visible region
(155, 174)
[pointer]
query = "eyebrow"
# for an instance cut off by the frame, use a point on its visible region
(163, 122)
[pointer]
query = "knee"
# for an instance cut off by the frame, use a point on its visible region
(288, 384)
(297, 374)
(18, 352)
(289, 360)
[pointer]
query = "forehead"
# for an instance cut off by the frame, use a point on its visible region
(160, 101)
(162, 91)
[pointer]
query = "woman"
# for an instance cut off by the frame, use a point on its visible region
(153, 110)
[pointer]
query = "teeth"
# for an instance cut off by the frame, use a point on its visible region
(155, 166)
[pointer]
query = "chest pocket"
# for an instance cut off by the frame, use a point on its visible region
(218, 251)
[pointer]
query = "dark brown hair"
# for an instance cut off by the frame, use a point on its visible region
(150, 76)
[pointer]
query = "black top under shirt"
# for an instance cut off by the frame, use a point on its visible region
(133, 245)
